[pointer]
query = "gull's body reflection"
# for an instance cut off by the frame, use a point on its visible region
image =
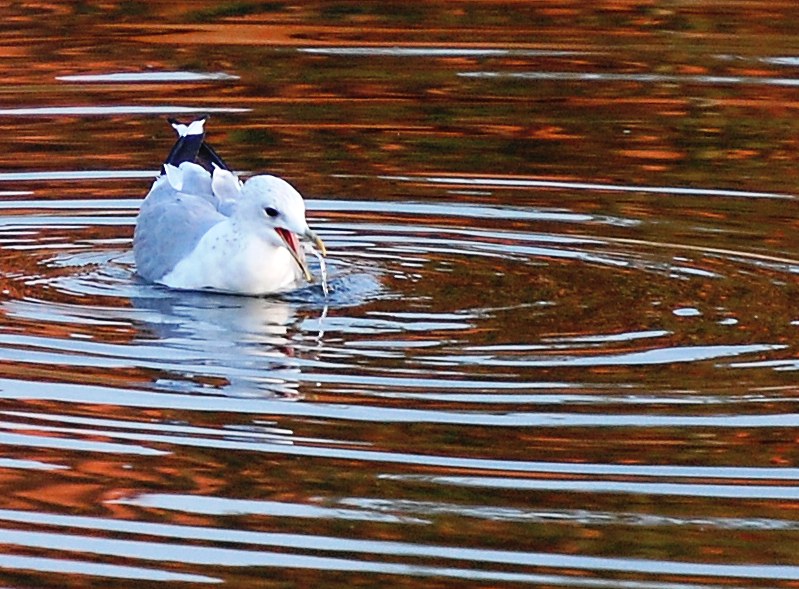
(241, 346)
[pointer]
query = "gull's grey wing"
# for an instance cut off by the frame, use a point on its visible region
(169, 226)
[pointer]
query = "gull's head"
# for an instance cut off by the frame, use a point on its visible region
(278, 208)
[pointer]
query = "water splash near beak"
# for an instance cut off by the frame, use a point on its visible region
(322, 269)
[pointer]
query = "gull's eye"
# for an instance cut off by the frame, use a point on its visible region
(271, 211)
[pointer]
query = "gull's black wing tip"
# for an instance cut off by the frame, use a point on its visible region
(191, 146)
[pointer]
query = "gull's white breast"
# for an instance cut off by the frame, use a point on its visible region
(229, 260)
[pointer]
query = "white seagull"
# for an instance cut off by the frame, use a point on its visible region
(200, 228)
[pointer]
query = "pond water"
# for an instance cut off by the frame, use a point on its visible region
(562, 341)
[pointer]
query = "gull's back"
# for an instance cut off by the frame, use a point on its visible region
(181, 205)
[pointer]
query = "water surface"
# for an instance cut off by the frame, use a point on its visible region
(560, 346)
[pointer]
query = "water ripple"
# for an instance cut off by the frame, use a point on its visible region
(741, 492)
(84, 568)
(488, 182)
(148, 77)
(639, 78)
(237, 558)
(558, 345)
(229, 557)
(55, 111)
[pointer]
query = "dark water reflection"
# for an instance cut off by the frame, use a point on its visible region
(560, 346)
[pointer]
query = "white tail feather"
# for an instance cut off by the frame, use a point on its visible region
(174, 176)
(194, 128)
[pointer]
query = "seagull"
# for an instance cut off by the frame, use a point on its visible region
(201, 228)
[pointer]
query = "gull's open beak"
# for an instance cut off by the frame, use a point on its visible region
(293, 245)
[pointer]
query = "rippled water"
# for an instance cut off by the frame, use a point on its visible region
(560, 346)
